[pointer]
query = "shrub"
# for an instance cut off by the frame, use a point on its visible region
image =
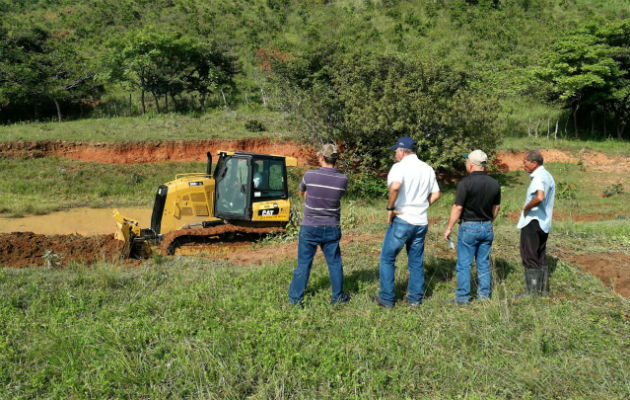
(368, 101)
(566, 191)
(253, 125)
(615, 188)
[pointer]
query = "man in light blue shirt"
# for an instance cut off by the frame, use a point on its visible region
(535, 223)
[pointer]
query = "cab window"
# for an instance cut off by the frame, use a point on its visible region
(232, 187)
(268, 179)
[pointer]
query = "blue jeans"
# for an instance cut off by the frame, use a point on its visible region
(327, 237)
(399, 234)
(474, 241)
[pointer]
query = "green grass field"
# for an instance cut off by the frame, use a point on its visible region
(219, 124)
(196, 328)
(44, 185)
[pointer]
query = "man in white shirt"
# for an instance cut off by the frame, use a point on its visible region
(535, 223)
(413, 188)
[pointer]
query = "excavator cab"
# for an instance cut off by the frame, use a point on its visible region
(251, 189)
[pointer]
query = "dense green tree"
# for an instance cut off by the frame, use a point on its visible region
(498, 40)
(212, 70)
(367, 101)
(166, 64)
(36, 68)
(588, 68)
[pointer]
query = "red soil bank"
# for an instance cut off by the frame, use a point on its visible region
(152, 151)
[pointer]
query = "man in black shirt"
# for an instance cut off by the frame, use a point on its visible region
(477, 203)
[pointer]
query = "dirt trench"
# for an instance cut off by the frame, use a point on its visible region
(24, 249)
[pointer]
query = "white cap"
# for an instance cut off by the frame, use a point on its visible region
(478, 158)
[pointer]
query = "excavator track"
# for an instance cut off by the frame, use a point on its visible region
(172, 240)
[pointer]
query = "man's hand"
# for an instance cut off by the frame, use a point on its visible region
(391, 215)
(394, 189)
(447, 234)
(456, 212)
(535, 201)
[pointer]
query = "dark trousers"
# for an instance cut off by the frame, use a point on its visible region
(534, 246)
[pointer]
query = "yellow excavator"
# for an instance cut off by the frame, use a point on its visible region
(246, 194)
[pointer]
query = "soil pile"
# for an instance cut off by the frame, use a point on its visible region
(21, 249)
(513, 160)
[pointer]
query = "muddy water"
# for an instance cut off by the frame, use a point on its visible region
(84, 221)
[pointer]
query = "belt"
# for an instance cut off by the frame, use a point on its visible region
(476, 220)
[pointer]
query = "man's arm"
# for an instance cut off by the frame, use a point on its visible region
(433, 197)
(540, 196)
(303, 193)
(394, 189)
(495, 211)
(456, 212)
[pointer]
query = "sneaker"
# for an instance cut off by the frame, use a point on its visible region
(344, 298)
(378, 302)
(412, 304)
(299, 304)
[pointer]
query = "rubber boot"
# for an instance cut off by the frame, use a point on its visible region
(528, 285)
(545, 281)
(533, 280)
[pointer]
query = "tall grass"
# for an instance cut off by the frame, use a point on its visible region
(193, 328)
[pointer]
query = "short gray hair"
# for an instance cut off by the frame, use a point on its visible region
(407, 151)
(535, 155)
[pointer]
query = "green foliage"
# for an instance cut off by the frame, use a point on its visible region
(45, 185)
(498, 40)
(37, 70)
(566, 190)
(220, 123)
(615, 188)
(187, 328)
(166, 64)
(254, 125)
(365, 184)
(590, 68)
(367, 101)
(349, 217)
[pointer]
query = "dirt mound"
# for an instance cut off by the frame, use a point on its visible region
(152, 151)
(22, 249)
(610, 268)
(513, 160)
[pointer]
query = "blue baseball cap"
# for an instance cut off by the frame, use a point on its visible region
(404, 142)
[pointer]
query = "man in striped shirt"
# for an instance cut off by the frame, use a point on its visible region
(322, 189)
